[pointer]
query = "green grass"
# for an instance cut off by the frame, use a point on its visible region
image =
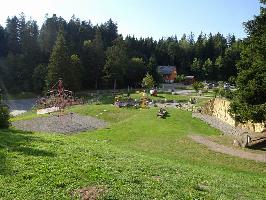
(27, 115)
(162, 96)
(138, 156)
(108, 98)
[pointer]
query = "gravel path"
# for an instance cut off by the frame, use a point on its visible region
(219, 124)
(228, 150)
(67, 124)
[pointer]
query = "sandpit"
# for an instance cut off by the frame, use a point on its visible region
(66, 124)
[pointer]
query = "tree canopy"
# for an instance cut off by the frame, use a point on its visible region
(249, 102)
(32, 58)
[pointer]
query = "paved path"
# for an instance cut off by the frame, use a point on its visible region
(228, 150)
(20, 106)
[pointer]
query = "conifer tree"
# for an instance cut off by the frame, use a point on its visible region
(116, 62)
(249, 102)
(59, 63)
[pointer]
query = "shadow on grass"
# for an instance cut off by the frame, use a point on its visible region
(159, 96)
(260, 146)
(182, 101)
(101, 99)
(18, 141)
(107, 99)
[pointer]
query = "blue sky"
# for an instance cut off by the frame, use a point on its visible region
(146, 18)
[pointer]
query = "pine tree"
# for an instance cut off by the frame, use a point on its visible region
(76, 72)
(49, 32)
(109, 32)
(249, 102)
(93, 59)
(116, 62)
(147, 81)
(59, 63)
(98, 57)
(3, 42)
(152, 69)
(135, 70)
(38, 78)
(12, 30)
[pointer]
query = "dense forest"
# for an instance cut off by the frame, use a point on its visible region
(90, 56)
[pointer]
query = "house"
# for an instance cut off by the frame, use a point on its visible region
(188, 80)
(168, 73)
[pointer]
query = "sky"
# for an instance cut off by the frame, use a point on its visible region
(145, 18)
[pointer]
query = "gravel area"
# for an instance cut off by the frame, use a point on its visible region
(228, 150)
(219, 124)
(68, 123)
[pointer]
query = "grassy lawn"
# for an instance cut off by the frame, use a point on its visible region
(162, 96)
(109, 98)
(138, 156)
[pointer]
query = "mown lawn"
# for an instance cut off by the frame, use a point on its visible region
(138, 156)
(108, 98)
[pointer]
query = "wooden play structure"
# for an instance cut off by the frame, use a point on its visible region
(57, 99)
(144, 101)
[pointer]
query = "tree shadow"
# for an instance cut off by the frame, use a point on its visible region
(163, 114)
(100, 99)
(260, 146)
(166, 116)
(160, 96)
(18, 141)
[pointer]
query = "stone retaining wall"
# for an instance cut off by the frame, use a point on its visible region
(219, 108)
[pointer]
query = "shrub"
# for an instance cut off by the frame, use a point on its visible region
(197, 86)
(226, 93)
(180, 78)
(4, 115)
(216, 91)
(148, 81)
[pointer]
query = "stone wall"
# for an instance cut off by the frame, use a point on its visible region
(219, 108)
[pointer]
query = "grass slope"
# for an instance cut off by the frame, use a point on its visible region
(138, 157)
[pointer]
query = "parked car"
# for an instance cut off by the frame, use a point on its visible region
(226, 86)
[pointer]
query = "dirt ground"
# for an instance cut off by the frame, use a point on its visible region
(228, 150)
(90, 193)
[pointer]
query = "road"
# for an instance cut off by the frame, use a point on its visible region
(20, 106)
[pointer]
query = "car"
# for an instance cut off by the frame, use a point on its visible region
(226, 86)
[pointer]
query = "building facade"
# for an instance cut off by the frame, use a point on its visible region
(168, 73)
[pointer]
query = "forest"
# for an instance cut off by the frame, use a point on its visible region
(91, 56)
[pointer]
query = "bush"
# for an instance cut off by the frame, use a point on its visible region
(4, 115)
(197, 86)
(226, 93)
(216, 91)
(148, 81)
(180, 78)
